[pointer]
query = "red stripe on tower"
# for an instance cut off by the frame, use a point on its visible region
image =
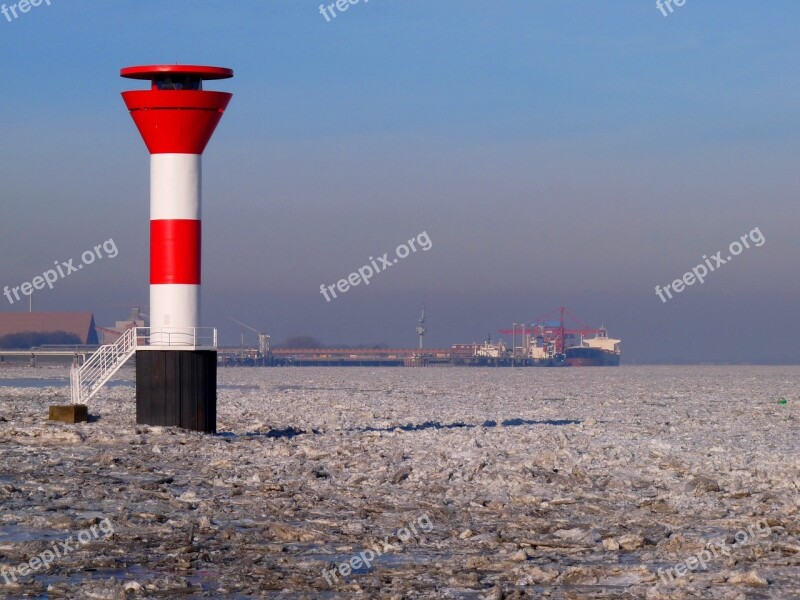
(175, 251)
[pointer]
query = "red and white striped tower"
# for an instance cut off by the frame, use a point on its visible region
(176, 118)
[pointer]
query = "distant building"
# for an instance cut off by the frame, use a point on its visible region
(109, 335)
(34, 329)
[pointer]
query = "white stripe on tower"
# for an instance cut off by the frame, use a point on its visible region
(175, 202)
(175, 186)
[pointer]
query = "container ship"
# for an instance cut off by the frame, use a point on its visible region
(548, 342)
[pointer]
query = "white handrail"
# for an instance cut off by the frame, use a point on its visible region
(87, 379)
(193, 337)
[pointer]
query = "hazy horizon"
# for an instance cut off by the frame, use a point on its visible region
(573, 154)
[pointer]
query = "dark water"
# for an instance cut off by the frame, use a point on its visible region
(59, 382)
(64, 382)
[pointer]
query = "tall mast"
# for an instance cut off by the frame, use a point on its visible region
(421, 328)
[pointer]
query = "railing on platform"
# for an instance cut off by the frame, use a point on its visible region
(87, 379)
(173, 337)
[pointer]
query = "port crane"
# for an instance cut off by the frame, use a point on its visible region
(552, 329)
(263, 338)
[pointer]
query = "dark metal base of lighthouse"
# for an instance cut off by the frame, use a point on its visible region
(177, 388)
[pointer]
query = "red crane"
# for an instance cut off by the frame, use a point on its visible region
(554, 331)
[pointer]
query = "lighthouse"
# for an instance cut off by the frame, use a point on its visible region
(176, 367)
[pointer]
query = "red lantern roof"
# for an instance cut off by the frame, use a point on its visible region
(148, 72)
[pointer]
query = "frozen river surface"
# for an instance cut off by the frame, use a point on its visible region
(636, 482)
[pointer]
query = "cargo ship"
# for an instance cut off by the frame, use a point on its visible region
(600, 351)
(548, 342)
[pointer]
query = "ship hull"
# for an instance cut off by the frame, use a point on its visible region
(591, 357)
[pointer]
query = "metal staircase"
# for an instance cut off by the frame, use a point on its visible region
(87, 379)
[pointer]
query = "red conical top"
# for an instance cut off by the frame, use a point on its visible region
(176, 115)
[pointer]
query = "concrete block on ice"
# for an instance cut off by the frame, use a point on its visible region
(69, 413)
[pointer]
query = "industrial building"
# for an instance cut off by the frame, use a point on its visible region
(46, 328)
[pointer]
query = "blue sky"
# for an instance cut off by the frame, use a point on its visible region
(555, 152)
